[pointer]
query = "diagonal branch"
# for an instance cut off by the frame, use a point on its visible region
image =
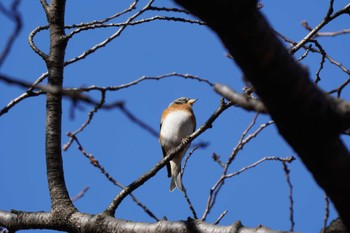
(305, 116)
(243, 101)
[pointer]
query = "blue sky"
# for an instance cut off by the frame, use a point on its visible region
(258, 196)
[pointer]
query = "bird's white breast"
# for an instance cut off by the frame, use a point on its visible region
(176, 126)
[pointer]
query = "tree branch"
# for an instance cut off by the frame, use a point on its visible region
(80, 222)
(60, 200)
(328, 18)
(242, 101)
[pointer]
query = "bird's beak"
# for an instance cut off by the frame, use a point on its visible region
(191, 101)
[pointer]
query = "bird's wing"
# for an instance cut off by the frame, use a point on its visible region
(168, 163)
(168, 168)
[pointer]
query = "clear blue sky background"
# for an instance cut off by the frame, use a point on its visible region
(258, 196)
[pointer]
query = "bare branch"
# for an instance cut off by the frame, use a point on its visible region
(32, 43)
(84, 27)
(324, 34)
(112, 37)
(309, 48)
(291, 201)
(323, 59)
(218, 185)
(72, 94)
(273, 158)
(340, 88)
(87, 122)
(328, 18)
(25, 95)
(15, 16)
(80, 194)
(221, 217)
(138, 121)
(75, 93)
(185, 191)
(332, 34)
(244, 101)
(177, 10)
(326, 213)
(217, 159)
(45, 6)
(214, 191)
(78, 222)
(139, 80)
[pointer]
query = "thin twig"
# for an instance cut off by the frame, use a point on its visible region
(167, 9)
(194, 213)
(218, 185)
(323, 59)
(328, 18)
(291, 201)
(217, 159)
(273, 158)
(241, 142)
(72, 94)
(112, 37)
(84, 27)
(244, 101)
(32, 43)
(220, 217)
(329, 58)
(325, 34)
(305, 54)
(190, 205)
(139, 80)
(15, 16)
(213, 193)
(340, 88)
(326, 213)
(88, 120)
(80, 194)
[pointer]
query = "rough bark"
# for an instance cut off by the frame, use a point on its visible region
(79, 222)
(60, 200)
(307, 118)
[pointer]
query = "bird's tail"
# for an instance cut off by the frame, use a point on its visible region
(176, 182)
(176, 179)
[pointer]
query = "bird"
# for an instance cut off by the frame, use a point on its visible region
(177, 122)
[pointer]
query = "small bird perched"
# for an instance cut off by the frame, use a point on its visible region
(177, 122)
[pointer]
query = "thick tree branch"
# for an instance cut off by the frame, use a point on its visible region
(60, 200)
(304, 115)
(79, 222)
